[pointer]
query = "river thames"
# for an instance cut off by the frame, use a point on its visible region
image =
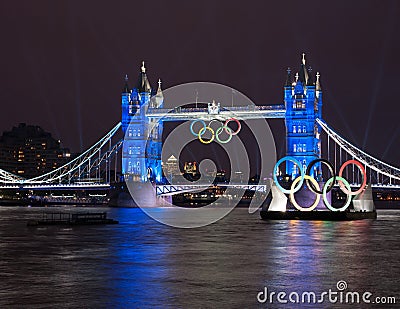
(141, 263)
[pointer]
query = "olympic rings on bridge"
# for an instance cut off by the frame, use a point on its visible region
(202, 131)
(215, 133)
(238, 124)
(313, 185)
(228, 130)
(192, 124)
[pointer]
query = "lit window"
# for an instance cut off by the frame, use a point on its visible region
(294, 129)
(304, 129)
(294, 170)
(294, 147)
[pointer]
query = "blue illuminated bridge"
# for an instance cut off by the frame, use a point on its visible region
(141, 158)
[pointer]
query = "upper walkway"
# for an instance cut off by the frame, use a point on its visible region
(224, 113)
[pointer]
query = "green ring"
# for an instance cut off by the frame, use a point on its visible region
(329, 206)
(218, 132)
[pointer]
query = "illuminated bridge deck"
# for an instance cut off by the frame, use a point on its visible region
(238, 112)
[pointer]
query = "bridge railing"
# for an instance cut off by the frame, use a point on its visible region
(177, 189)
(78, 164)
(366, 159)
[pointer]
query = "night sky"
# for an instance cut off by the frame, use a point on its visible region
(62, 63)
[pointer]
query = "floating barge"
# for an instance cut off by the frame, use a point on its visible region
(63, 218)
(318, 215)
(278, 207)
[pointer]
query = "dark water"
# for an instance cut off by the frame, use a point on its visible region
(143, 264)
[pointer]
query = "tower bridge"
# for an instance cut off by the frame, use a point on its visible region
(142, 108)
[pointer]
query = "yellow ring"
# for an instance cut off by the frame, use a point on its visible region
(202, 131)
(317, 196)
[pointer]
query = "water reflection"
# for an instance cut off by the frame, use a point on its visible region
(314, 255)
(143, 264)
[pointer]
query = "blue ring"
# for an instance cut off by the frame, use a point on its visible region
(295, 161)
(204, 126)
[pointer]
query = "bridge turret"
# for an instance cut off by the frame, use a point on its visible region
(303, 73)
(143, 137)
(125, 102)
(303, 107)
(143, 86)
(288, 89)
(158, 99)
(318, 88)
(154, 146)
(310, 89)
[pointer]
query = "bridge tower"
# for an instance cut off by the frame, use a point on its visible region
(303, 101)
(141, 160)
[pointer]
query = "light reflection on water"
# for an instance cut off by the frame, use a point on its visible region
(142, 264)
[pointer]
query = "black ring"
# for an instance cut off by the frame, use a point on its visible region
(330, 167)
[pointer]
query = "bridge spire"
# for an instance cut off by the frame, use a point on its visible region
(159, 85)
(288, 82)
(143, 84)
(159, 90)
(310, 81)
(126, 85)
(318, 83)
(158, 99)
(303, 74)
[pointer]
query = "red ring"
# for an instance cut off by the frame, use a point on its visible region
(364, 176)
(238, 123)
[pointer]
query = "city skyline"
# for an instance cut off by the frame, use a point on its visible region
(64, 66)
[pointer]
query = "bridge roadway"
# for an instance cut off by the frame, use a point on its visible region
(167, 190)
(238, 112)
(161, 190)
(72, 186)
